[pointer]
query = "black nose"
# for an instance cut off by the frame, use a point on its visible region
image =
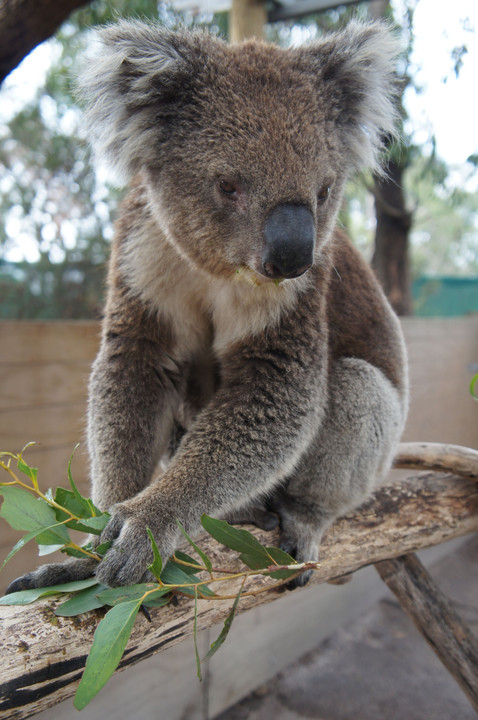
(289, 242)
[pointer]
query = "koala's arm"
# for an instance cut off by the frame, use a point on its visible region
(132, 389)
(250, 435)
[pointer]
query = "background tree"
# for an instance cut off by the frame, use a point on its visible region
(52, 204)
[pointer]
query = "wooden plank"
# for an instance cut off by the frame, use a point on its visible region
(31, 384)
(59, 426)
(440, 625)
(401, 518)
(48, 341)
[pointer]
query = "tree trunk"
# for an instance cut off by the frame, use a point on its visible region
(390, 259)
(247, 19)
(24, 24)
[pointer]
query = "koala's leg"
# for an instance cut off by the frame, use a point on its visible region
(350, 455)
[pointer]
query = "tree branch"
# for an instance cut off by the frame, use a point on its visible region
(401, 518)
(24, 24)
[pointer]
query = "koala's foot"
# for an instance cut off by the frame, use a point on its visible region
(303, 548)
(54, 574)
(255, 515)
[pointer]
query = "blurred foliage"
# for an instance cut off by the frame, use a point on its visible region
(58, 216)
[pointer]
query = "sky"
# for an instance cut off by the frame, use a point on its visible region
(449, 108)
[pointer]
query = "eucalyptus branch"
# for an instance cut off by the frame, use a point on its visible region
(46, 517)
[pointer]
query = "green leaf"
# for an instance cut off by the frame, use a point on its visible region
(30, 472)
(474, 382)
(111, 638)
(25, 512)
(174, 575)
(82, 508)
(237, 539)
(227, 626)
(82, 602)
(101, 549)
(156, 601)
(96, 524)
(275, 556)
(195, 635)
(25, 597)
(26, 538)
(114, 596)
(76, 504)
(202, 555)
(281, 558)
(157, 564)
(94, 511)
(48, 549)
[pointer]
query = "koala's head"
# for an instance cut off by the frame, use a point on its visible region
(244, 149)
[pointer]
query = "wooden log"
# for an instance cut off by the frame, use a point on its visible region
(439, 624)
(441, 457)
(42, 656)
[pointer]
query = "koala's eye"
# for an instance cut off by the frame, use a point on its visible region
(324, 193)
(227, 187)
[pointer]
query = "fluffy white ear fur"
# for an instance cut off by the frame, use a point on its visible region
(133, 67)
(356, 75)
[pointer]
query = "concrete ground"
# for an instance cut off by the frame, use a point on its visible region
(377, 668)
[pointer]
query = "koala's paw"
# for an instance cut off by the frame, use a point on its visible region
(54, 574)
(127, 560)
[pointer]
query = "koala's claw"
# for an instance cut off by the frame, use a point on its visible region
(54, 574)
(25, 582)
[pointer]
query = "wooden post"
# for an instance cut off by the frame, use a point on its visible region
(247, 19)
(439, 624)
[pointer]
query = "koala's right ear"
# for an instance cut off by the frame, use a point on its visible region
(136, 76)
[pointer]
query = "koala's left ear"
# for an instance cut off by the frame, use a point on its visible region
(132, 84)
(356, 77)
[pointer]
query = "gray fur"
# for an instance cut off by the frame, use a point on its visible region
(216, 390)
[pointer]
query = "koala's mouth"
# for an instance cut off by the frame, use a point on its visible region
(256, 278)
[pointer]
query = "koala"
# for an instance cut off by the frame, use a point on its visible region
(250, 365)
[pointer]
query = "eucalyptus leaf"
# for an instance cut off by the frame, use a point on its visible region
(174, 575)
(114, 596)
(226, 627)
(35, 534)
(94, 511)
(27, 470)
(25, 597)
(25, 512)
(157, 564)
(109, 643)
(82, 602)
(207, 562)
(263, 564)
(237, 539)
(195, 636)
(156, 600)
(48, 549)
